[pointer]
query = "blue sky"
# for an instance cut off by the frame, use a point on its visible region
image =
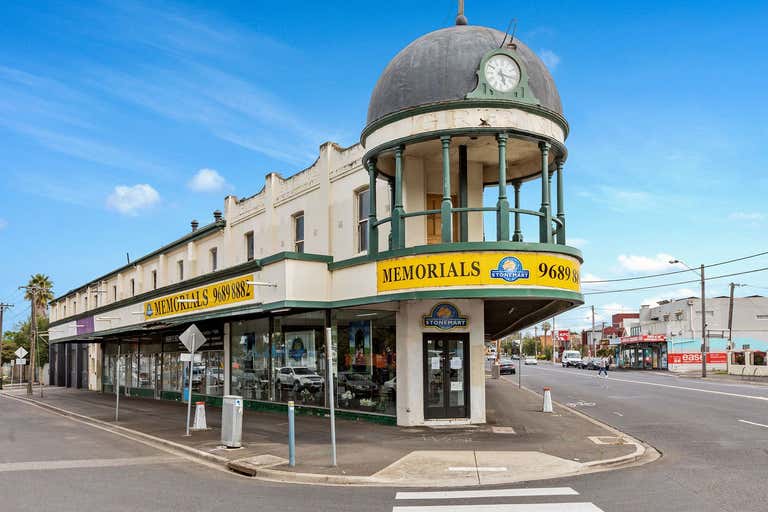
(108, 111)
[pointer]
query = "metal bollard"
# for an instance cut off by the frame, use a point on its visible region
(547, 400)
(291, 436)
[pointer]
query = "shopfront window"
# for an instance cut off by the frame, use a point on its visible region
(298, 358)
(149, 360)
(108, 373)
(250, 359)
(172, 372)
(367, 360)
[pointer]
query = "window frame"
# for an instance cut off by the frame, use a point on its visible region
(133, 287)
(362, 221)
(213, 258)
(180, 270)
(154, 279)
(298, 243)
(250, 246)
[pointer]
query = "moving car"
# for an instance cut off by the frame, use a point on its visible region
(300, 377)
(571, 358)
(530, 360)
(506, 366)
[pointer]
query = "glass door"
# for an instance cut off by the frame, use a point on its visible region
(446, 363)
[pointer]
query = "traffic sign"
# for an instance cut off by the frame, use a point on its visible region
(192, 338)
(188, 357)
(21, 361)
(21, 352)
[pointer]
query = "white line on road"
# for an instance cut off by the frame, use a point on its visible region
(725, 393)
(479, 468)
(753, 423)
(617, 413)
(489, 493)
(529, 507)
(45, 465)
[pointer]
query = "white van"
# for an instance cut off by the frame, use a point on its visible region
(571, 358)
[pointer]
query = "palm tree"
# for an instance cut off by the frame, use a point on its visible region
(546, 326)
(42, 287)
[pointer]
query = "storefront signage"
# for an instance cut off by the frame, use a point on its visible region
(196, 299)
(445, 316)
(563, 335)
(478, 268)
(644, 338)
(695, 358)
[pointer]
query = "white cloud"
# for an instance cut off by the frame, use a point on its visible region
(3, 224)
(207, 180)
(753, 216)
(635, 263)
(550, 59)
(680, 293)
(129, 200)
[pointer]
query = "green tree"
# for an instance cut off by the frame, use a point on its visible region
(20, 337)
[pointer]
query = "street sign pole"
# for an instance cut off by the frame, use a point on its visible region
(189, 383)
(329, 381)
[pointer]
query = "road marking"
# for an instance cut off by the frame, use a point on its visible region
(489, 493)
(617, 413)
(753, 423)
(503, 430)
(480, 469)
(529, 507)
(45, 465)
(580, 404)
(724, 393)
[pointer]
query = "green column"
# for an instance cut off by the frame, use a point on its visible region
(446, 228)
(545, 221)
(373, 230)
(398, 224)
(560, 202)
(502, 206)
(463, 195)
(518, 235)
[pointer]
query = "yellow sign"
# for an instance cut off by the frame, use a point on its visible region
(478, 268)
(219, 294)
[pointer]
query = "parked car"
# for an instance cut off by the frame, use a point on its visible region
(571, 358)
(506, 366)
(590, 363)
(530, 360)
(300, 377)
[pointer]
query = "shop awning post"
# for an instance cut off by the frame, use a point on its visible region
(117, 384)
(330, 385)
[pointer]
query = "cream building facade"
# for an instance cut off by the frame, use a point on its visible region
(385, 243)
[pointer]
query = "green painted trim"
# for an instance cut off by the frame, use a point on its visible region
(309, 410)
(200, 232)
(351, 262)
(298, 256)
(141, 392)
(465, 103)
(249, 266)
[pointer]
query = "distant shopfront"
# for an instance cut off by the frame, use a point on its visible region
(643, 352)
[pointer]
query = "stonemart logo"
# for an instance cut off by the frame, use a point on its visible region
(445, 316)
(510, 269)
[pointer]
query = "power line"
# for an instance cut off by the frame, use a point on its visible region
(678, 282)
(673, 272)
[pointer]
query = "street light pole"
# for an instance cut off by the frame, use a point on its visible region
(704, 344)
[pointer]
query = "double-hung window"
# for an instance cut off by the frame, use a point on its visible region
(250, 249)
(363, 208)
(298, 232)
(180, 265)
(214, 259)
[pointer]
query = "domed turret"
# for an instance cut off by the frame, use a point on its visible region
(442, 67)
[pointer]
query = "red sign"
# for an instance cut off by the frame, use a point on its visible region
(695, 358)
(564, 335)
(645, 338)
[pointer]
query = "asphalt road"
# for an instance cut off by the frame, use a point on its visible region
(713, 437)
(712, 461)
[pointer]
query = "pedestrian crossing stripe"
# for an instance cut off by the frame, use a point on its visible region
(488, 493)
(498, 507)
(528, 507)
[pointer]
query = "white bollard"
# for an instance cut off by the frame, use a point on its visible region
(547, 400)
(200, 423)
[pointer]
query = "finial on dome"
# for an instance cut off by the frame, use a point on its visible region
(460, 18)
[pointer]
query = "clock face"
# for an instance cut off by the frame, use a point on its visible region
(502, 73)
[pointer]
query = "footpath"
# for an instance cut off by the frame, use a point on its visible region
(519, 442)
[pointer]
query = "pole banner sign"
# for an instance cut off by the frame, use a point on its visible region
(497, 269)
(205, 297)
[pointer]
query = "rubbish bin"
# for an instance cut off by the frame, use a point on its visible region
(232, 421)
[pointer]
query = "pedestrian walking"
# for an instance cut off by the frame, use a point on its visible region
(602, 367)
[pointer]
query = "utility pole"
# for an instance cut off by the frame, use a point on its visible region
(592, 333)
(535, 340)
(32, 341)
(704, 344)
(3, 307)
(553, 339)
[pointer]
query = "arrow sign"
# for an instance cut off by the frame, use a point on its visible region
(192, 338)
(21, 352)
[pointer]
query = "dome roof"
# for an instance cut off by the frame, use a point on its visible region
(441, 66)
